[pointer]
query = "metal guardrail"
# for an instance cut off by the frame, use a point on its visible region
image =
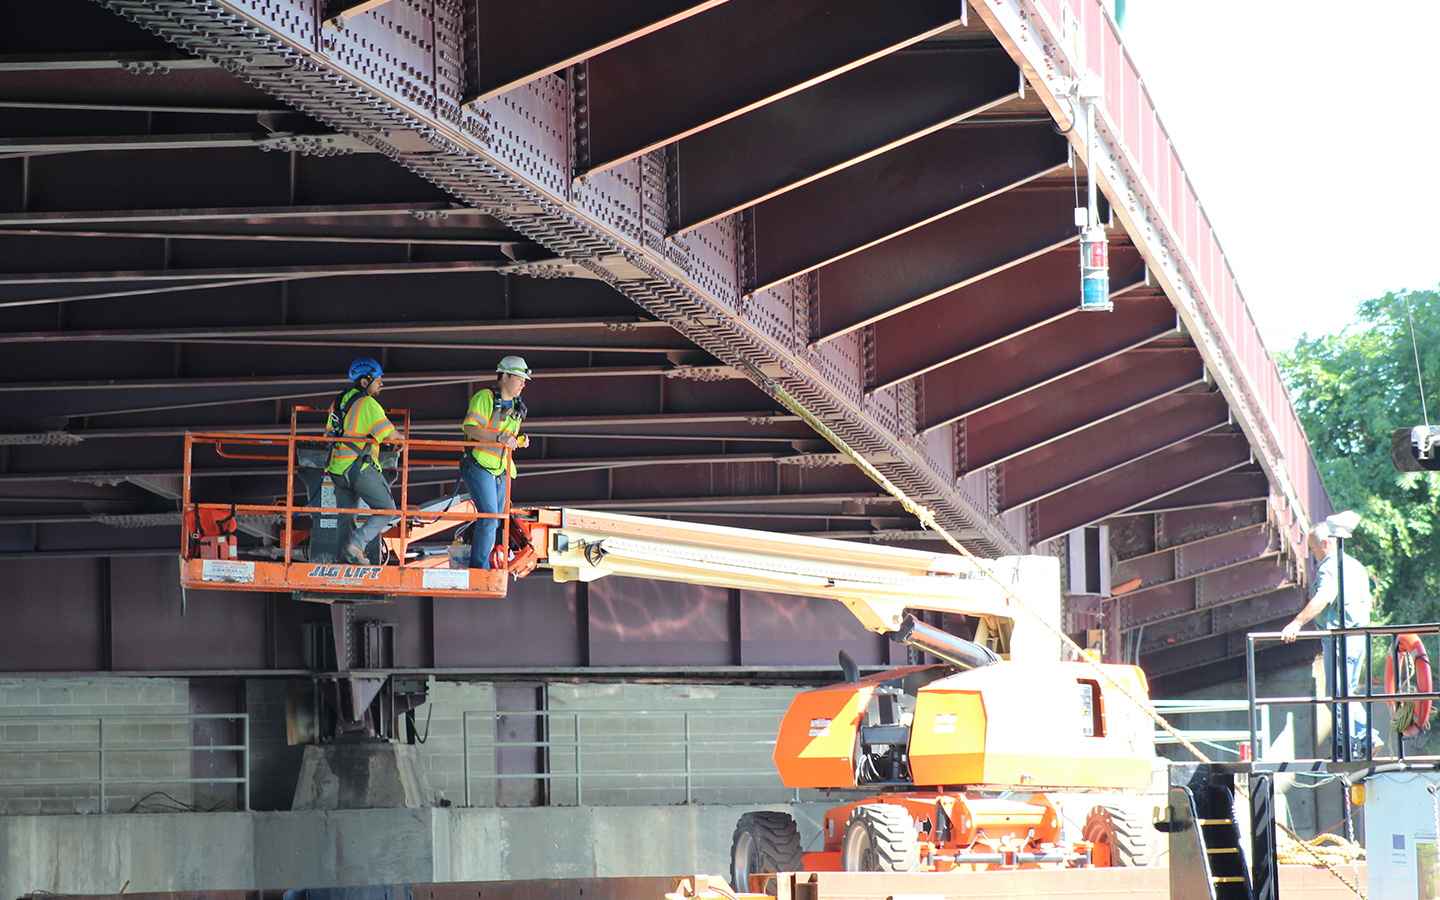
(105, 749)
(1343, 696)
(649, 746)
(1215, 737)
(673, 754)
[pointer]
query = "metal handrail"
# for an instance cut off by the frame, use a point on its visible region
(1342, 688)
(1169, 708)
(103, 751)
(291, 442)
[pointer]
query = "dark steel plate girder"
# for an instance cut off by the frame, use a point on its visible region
(1189, 560)
(1182, 611)
(420, 223)
(1077, 402)
(722, 63)
(934, 259)
(885, 104)
(21, 402)
(1172, 469)
(188, 85)
(1041, 356)
(1227, 650)
(605, 334)
(1138, 536)
(973, 318)
(519, 42)
(1225, 488)
(883, 196)
(1108, 446)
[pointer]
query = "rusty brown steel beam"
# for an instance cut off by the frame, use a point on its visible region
(1187, 527)
(1081, 401)
(1221, 657)
(133, 62)
(600, 334)
(1226, 488)
(1140, 535)
(330, 215)
(937, 258)
(33, 288)
(21, 401)
(405, 223)
(186, 87)
(1188, 560)
(794, 141)
(38, 146)
(1249, 605)
(1226, 584)
(1166, 471)
(1109, 446)
(1041, 356)
(881, 197)
(513, 47)
(534, 467)
(749, 426)
(982, 314)
(720, 64)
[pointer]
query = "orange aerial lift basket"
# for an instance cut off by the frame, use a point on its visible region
(292, 543)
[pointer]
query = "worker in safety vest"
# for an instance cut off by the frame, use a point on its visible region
(494, 417)
(354, 466)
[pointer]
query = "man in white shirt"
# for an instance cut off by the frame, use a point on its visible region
(1324, 604)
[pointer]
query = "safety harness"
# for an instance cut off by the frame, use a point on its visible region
(335, 428)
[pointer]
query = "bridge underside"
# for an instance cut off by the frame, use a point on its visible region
(670, 209)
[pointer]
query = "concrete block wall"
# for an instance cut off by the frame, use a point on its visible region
(50, 739)
(443, 753)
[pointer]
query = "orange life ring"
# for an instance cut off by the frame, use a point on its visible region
(1410, 645)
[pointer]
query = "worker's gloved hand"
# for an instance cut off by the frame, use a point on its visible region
(522, 440)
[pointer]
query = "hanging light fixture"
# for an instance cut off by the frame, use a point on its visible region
(1094, 246)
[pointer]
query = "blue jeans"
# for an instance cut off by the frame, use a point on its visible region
(1355, 678)
(487, 490)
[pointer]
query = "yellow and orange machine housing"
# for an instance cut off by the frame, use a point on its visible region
(920, 732)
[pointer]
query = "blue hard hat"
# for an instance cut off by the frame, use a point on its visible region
(365, 367)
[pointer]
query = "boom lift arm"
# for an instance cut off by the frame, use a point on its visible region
(877, 584)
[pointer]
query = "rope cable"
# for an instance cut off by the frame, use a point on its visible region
(1420, 378)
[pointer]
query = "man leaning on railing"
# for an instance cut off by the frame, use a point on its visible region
(1326, 603)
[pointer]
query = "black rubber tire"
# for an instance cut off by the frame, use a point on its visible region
(880, 837)
(1134, 843)
(764, 842)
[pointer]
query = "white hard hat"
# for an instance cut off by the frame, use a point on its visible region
(513, 365)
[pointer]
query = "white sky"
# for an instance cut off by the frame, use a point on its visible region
(1309, 130)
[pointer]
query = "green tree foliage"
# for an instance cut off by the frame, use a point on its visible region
(1351, 391)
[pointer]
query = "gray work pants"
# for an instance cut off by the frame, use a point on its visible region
(365, 487)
